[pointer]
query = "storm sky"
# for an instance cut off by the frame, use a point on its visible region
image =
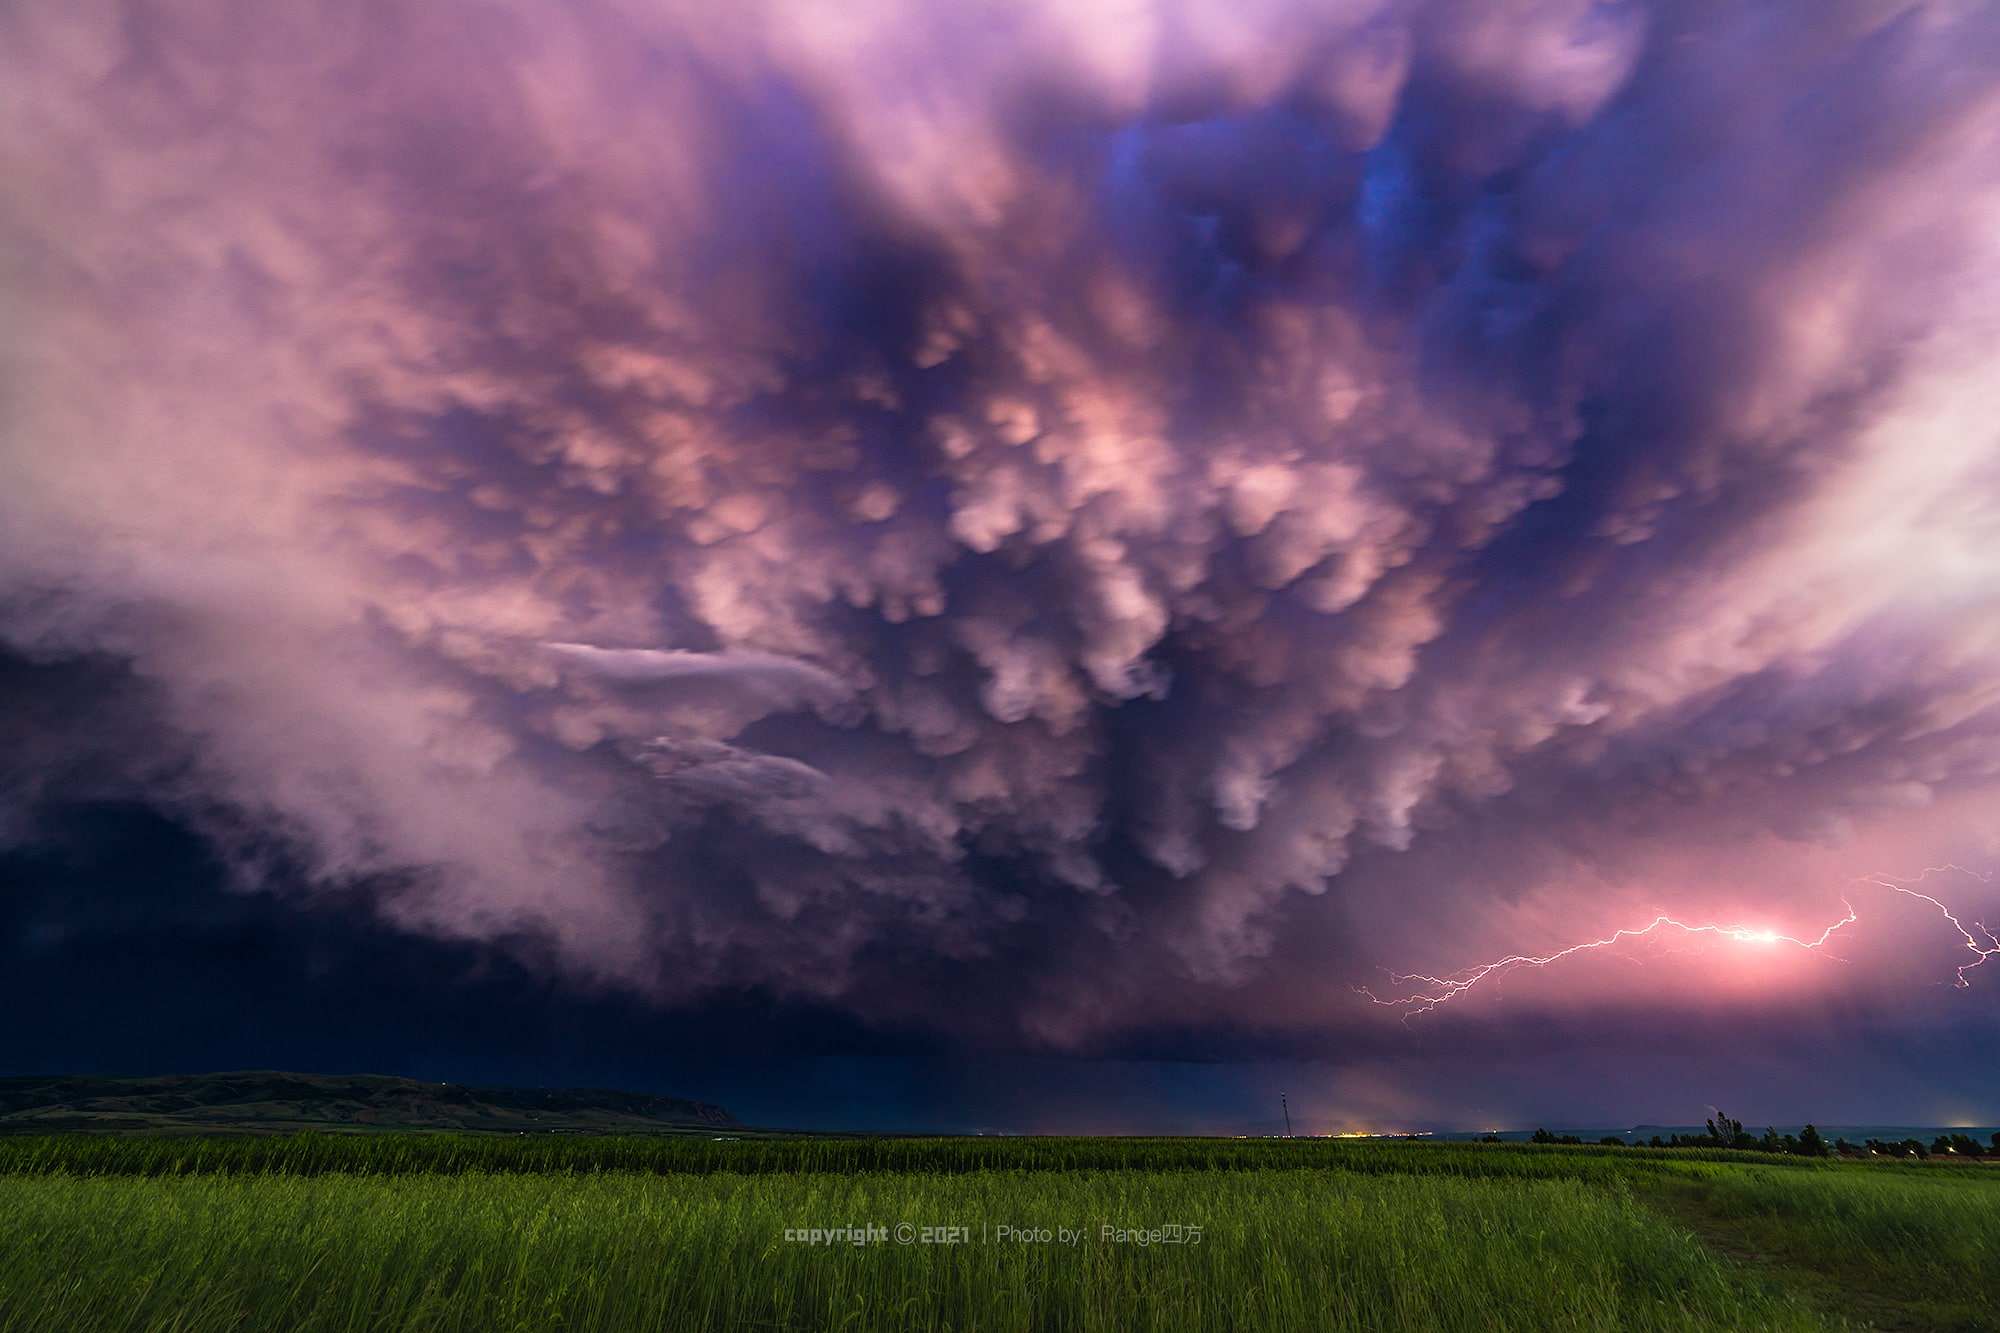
(903, 562)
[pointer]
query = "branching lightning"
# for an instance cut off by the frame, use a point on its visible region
(1441, 990)
(1981, 952)
(1431, 991)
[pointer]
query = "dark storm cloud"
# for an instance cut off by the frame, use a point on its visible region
(1152, 507)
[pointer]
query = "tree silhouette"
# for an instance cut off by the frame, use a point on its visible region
(1726, 1133)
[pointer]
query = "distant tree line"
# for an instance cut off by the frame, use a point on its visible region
(1726, 1133)
(1959, 1145)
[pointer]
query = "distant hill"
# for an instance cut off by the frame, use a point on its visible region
(261, 1101)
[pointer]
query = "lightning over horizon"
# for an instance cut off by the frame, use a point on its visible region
(1449, 986)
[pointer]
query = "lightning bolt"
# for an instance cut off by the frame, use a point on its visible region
(1981, 952)
(1442, 990)
(1433, 991)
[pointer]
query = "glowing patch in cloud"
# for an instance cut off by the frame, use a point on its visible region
(1436, 990)
(1441, 990)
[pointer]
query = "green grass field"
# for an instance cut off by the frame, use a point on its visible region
(464, 1232)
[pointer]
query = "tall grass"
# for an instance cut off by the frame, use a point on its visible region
(1938, 1230)
(445, 1232)
(1288, 1249)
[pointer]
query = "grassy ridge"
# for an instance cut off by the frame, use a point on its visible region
(319, 1154)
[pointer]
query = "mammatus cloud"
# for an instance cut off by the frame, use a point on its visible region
(1161, 505)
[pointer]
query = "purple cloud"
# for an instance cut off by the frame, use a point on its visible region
(1169, 507)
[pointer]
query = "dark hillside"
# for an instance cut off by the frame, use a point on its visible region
(264, 1101)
